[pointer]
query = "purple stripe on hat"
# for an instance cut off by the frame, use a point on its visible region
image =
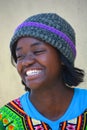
(51, 29)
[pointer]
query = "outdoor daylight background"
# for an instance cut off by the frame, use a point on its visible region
(13, 12)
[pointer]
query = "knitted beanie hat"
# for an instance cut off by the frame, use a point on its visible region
(50, 28)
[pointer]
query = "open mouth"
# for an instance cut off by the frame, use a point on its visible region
(33, 74)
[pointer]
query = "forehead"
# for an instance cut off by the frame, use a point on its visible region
(28, 41)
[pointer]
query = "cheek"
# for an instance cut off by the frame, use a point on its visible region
(19, 68)
(55, 65)
(49, 61)
(42, 60)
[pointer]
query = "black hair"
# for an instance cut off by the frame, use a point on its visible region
(71, 75)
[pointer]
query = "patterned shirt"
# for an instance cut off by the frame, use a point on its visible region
(13, 117)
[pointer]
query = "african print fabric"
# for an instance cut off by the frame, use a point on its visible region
(13, 117)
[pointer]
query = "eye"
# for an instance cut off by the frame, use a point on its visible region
(38, 52)
(20, 57)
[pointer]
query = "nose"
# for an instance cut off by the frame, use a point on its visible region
(28, 60)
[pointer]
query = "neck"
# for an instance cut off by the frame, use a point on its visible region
(52, 102)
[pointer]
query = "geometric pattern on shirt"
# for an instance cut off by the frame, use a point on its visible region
(13, 117)
(78, 123)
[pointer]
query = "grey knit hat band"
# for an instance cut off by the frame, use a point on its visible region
(54, 36)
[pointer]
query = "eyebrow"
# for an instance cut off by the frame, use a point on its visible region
(36, 44)
(32, 45)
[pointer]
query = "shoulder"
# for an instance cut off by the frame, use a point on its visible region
(11, 114)
(13, 117)
(81, 93)
(81, 98)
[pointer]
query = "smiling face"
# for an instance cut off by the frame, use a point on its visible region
(38, 63)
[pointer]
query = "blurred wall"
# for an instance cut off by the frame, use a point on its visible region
(13, 12)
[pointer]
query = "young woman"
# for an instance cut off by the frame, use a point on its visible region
(43, 51)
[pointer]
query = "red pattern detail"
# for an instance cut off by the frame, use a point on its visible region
(17, 101)
(39, 127)
(70, 127)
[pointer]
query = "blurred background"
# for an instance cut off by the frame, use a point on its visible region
(13, 12)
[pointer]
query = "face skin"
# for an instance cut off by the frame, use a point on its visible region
(39, 66)
(38, 63)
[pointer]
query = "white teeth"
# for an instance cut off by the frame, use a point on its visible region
(32, 72)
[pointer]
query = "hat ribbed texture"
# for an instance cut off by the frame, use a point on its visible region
(50, 28)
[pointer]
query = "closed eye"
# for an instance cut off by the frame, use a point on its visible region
(37, 52)
(20, 57)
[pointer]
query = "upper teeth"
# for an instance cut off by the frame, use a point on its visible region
(33, 72)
